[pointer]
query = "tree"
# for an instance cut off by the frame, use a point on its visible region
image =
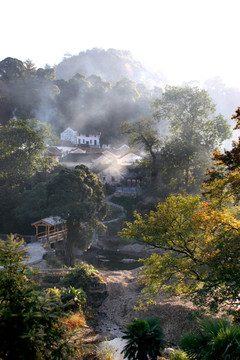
(195, 132)
(77, 196)
(30, 326)
(144, 339)
(223, 179)
(22, 145)
(20, 149)
(144, 132)
(197, 251)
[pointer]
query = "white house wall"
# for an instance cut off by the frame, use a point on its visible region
(92, 140)
(69, 135)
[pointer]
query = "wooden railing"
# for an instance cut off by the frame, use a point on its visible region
(52, 237)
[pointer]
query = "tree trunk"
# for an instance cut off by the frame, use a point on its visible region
(69, 256)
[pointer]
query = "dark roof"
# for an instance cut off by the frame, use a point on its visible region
(53, 151)
(79, 158)
(51, 220)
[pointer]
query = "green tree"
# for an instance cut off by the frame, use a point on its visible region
(20, 149)
(197, 251)
(216, 339)
(223, 180)
(30, 326)
(144, 132)
(77, 195)
(144, 339)
(195, 131)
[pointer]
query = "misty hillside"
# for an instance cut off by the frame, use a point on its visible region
(97, 90)
(111, 65)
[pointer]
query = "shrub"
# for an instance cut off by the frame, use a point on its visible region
(73, 297)
(144, 339)
(216, 339)
(74, 321)
(30, 326)
(83, 276)
(179, 355)
(70, 297)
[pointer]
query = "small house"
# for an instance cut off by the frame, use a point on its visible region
(86, 138)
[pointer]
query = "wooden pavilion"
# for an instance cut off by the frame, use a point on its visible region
(50, 230)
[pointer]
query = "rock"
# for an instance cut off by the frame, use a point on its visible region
(128, 261)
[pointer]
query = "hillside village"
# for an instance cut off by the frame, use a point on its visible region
(114, 166)
(162, 224)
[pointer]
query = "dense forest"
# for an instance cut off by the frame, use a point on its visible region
(94, 89)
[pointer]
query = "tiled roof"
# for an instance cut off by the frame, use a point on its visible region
(51, 220)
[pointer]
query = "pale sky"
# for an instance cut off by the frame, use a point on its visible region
(185, 39)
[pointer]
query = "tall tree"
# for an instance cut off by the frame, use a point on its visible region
(222, 184)
(20, 149)
(77, 195)
(195, 132)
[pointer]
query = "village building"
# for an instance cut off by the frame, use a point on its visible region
(112, 165)
(90, 138)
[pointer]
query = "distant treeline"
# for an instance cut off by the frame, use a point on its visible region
(96, 89)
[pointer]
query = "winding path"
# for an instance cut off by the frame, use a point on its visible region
(110, 203)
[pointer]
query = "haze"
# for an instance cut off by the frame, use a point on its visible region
(186, 40)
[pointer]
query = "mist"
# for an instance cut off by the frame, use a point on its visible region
(95, 90)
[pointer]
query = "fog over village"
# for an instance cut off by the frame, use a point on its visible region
(119, 180)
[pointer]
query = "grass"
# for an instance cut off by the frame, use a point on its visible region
(74, 321)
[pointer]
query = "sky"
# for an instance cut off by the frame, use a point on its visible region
(185, 39)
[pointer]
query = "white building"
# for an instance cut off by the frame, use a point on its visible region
(90, 138)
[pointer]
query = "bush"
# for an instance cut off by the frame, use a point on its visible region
(179, 355)
(30, 326)
(216, 339)
(74, 298)
(83, 276)
(70, 297)
(144, 339)
(74, 321)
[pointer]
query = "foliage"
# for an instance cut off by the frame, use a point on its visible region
(197, 251)
(27, 92)
(76, 296)
(142, 132)
(30, 326)
(70, 297)
(194, 130)
(77, 196)
(216, 339)
(144, 339)
(31, 207)
(179, 355)
(83, 276)
(20, 150)
(74, 321)
(10, 198)
(223, 179)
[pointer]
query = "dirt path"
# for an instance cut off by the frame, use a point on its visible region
(117, 309)
(120, 207)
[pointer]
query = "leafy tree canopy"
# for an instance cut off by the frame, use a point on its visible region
(77, 196)
(22, 148)
(194, 132)
(223, 179)
(197, 250)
